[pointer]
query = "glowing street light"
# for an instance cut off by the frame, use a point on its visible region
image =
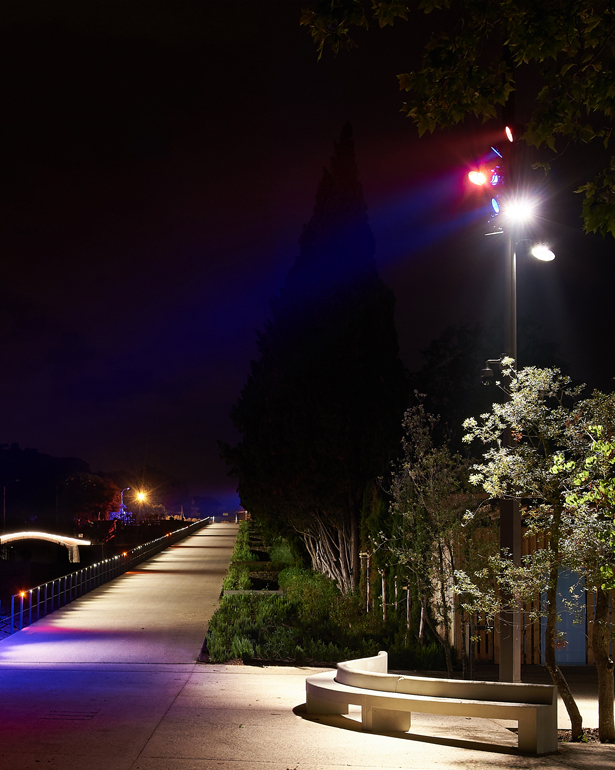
(518, 210)
(477, 178)
(542, 252)
(513, 212)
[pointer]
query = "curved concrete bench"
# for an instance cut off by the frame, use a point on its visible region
(388, 700)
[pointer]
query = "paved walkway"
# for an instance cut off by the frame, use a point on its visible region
(111, 682)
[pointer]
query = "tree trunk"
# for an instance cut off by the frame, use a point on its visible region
(342, 547)
(559, 680)
(355, 546)
(604, 667)
(445, 644)
(329, 552)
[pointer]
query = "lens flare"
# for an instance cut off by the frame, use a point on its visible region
(477, 177)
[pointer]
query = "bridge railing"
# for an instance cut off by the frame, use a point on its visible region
(35, 603)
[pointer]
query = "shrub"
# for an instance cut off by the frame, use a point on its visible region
(281, 553)
(238, 576)
(241, 551)
(311, 623)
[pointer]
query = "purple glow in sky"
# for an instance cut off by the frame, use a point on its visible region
(160, 160)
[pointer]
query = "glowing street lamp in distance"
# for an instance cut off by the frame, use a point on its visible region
(141, 496)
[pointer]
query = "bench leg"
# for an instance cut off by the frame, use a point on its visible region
(322, 706)
(538, 731)
(385, 720)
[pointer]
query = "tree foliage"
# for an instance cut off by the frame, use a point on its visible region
(320, 413)
(559, 470)
(472, 60)
(427, 542)
(589, 542)
(86, 497)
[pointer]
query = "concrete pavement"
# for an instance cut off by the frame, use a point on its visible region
(111, 682)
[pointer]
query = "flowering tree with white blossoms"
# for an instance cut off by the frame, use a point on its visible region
(537, 412)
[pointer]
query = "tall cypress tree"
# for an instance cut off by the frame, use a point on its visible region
(322, 409)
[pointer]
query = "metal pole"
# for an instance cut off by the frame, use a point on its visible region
(510, 517)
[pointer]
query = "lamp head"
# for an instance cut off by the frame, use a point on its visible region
(519, 210)
(477, 178)
(486, 375)
(542, 252)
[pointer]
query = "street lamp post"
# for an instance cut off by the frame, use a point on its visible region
(515, 212)
(510, 515)
(4, 502)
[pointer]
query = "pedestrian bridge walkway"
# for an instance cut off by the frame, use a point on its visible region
(156, 613)
(72, 543)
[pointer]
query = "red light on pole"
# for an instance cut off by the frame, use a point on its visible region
(477, 177)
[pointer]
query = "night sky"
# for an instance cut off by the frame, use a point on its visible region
(159, 160)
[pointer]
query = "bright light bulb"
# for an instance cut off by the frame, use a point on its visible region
(509, 134)
(542, 252)
(477, 177)
(519, 210)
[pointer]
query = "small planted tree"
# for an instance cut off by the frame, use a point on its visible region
(430, 497)
(588, 543)
(538, 413)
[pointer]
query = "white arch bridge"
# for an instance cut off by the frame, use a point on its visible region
(72, 543)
